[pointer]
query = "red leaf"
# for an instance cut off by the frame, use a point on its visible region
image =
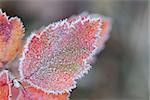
(55, 56)
(4, 87)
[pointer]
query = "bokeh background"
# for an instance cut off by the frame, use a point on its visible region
(121, 69)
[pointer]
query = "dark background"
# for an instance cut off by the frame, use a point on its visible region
(121, 69)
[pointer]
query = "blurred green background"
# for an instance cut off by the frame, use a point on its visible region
(121, 69)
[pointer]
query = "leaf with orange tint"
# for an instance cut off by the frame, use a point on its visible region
(11, 33)
(4, 87)
(32, 93)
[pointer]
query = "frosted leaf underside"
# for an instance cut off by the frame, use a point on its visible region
(55, 56)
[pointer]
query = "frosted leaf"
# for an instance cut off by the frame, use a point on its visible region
(55, 56)
(11, 32)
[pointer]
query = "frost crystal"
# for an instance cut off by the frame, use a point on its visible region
(55, 56)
